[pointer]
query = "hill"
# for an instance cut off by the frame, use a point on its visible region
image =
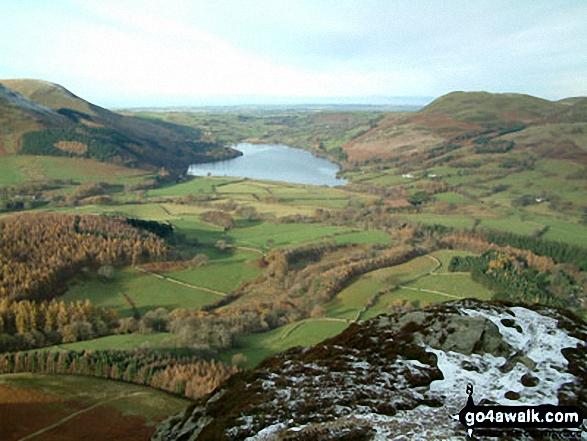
(50, 95)
(399, 375)
(462, 116)
(47, 119)
(482, 156)
(489, 109)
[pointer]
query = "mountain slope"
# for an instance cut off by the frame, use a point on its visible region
(488, 108)
(50, 95)
(459, 118)
(399, 375)
(67, 125)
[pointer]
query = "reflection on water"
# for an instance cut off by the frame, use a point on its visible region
(274, 163)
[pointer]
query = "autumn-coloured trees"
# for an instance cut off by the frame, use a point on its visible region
(220, 218)
(27, 324)
(179, 374)
(40, 252)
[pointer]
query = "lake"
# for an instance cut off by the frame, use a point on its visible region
(274, 162)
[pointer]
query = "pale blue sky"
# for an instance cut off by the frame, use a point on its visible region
(181, 52)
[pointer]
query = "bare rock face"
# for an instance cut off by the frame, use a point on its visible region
(400, 375)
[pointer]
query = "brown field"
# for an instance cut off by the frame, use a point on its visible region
(388, 121)
(17, 406)
(391, 142)
(77, 409)
(91, 123)
(398, 203)
(444, 126)
(72, 147)
(24, 412)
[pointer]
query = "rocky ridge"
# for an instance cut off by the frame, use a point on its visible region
(399, 376)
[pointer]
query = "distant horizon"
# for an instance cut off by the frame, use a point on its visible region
(162, 102)
(149, 53)
(285, 101)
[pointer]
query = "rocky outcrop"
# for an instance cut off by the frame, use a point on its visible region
(399, 375)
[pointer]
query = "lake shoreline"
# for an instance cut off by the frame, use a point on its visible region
(274, 162)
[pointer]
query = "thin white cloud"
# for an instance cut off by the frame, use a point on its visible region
(111, 49)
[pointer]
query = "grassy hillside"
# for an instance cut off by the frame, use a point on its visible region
(77, 128)
(50, 95)
(489, 108)
(503, 161)
(72, 408)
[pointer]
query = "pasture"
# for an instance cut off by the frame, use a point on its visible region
(61, 407)
(422, 280)
(131, 286)
(308, 332)
(122, 342)
(15, 170)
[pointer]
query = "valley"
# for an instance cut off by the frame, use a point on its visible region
(177, 282)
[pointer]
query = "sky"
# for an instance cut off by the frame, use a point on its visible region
(129, 53)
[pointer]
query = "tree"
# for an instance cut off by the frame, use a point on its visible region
(248, 212)
(199, 260)
(239, 360)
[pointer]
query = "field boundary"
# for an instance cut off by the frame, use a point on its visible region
(445, 294)
(317, 319)
(179, 282)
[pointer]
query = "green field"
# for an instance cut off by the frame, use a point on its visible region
(420, 280)
(350, 301)
(224, 274)
(15, 170)
(146, 291)
(194, 186)
(306, 333)
(123, 342)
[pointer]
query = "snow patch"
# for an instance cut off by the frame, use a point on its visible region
(540, 340)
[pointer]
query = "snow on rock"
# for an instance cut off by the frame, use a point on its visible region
(541, 342)
(399, 376)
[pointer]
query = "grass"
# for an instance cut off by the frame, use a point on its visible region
(399, 296)
(350, 301)
(123, 342)
(283, 234)
(194, 186)
(452, 197)
(412, 281)
(460, 285)
(403, 273)
(367, 237)
(149, 211)
(141, 401)
(147, 293)
(16, 169)
(256, 347)
(450, 220)
(222, 275)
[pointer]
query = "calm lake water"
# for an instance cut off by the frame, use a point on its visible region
(274, 163)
